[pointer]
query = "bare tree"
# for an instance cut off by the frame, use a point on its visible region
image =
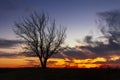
(110, 25)
(41, 36)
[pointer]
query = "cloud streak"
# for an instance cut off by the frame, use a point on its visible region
(8, 55)
(4, 43)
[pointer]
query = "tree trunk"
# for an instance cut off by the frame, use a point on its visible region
(44, 64)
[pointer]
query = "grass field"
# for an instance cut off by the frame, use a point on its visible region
(59, 74)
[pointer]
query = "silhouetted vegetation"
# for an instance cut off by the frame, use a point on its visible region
(59, 74)
(41, 36)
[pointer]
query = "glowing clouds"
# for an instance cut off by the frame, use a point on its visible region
(76, 63)
(114, 58)
(89, 61)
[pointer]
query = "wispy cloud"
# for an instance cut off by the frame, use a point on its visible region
(8, 55)
(4, 43)
(101, 49)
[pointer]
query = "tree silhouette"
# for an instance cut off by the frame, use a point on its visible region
(110, 25)
(41, 36)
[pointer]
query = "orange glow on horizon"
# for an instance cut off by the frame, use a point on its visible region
(53, 62)
(78, 63)
(18, 62)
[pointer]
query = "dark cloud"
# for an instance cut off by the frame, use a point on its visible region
(89, 51)
(104, 49)
(28, 54)
(75, 54)
(70, 54)
(100, 48)
(88, 39)
(4, 43)
(8, 55)
(110, 24)
(58, 55)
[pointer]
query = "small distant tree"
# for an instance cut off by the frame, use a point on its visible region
(41, 36)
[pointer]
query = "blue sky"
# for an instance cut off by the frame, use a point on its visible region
(77, 15)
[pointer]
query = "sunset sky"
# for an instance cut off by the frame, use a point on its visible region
(79, 16)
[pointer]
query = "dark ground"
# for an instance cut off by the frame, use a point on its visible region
(59, 74)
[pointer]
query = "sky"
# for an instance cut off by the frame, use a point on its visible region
(79, 16)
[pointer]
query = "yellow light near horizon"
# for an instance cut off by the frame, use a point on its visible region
(89, 65)
(57, 61)
(114, 57)
(99, 59)
(87, 61)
